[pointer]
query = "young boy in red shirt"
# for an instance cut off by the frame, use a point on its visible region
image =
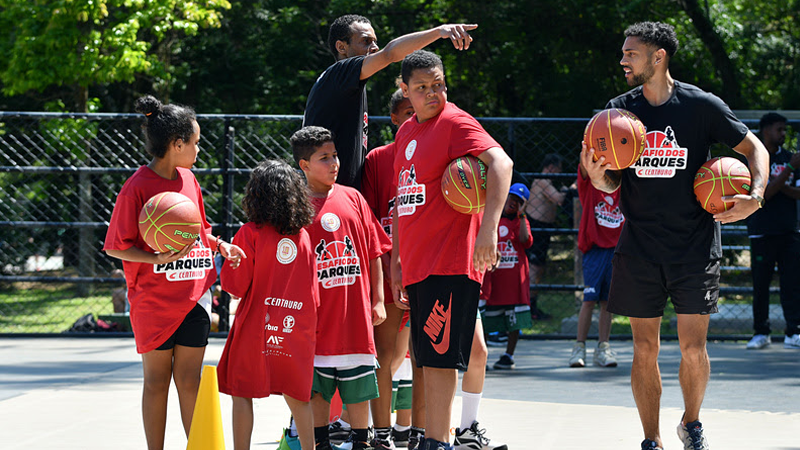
(348, 241)
(443, 253)
(508, 288)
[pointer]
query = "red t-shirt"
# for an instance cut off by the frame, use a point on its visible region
(160, 295)
(510, 283)
(270, 348)
(379, 190)
(601, 218)
(434, 238)
(345, 236)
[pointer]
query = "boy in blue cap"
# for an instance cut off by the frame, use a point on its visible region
(507, 289)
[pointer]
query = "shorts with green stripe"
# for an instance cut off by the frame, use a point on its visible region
(356, 384)
(506, 318)
(401, 394)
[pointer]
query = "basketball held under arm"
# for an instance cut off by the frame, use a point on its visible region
(400, 47)
(758, 161)
(499, 168)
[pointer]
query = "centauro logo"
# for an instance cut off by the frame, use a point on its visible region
(608, 215)
(193, 266)
(662, 157)
(337, 263)
(508, 255)
(409, 193)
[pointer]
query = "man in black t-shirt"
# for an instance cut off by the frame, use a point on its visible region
(774, 238)
(338, 99)
(669, 246)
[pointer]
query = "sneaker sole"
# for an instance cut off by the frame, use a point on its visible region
(502, 367)
(577, 364)
(606, 365)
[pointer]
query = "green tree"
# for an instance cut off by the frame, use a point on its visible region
(80, 44)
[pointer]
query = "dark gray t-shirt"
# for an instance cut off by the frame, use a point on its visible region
(779, 214)
(664, 222)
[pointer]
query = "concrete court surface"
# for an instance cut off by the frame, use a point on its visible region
(85, 393)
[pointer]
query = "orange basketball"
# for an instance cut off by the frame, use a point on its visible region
(170, 221)
(616, 134)
(464, 184)
(720, 177)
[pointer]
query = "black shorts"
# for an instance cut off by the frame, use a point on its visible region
(443, 314)
(639, 288)
(537, 253)
(193, 331)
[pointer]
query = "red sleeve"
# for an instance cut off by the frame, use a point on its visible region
(468, 137)
(529, 242)
(123, 229)
(305, 239)
(369, 183)
(377, 239)
(237, 281)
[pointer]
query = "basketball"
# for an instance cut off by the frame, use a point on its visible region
(169, 221)
(464, 184)
(720, 177)
(616, 134)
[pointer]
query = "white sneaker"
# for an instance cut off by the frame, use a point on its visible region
(792, 341)
(758, 342)
(474, 438)
(578, 358)
(603, 356)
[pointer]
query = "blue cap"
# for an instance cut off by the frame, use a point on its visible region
(520, 190)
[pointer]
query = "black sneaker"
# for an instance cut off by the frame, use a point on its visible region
(692, 436)
(338, 433)
(400, 438)
(538, 314)
(415, 438)
(431, 444)
(647, 444)
(382, 440)
(504, 363)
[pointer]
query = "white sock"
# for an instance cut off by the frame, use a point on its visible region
(292, 428)
(469, 408)
(344, 424)
(401, 428)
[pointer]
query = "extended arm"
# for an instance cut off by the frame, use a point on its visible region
(399, 48)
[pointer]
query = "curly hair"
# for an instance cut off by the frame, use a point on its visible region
(307, 140)
(164, 124)
(276, 195)
(420, 59)
(661, 35)
(341, 30)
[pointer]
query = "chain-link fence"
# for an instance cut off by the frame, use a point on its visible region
(59, 175)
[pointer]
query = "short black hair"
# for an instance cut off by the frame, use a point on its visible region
(769, 119)
(276, 195)
(394, 102)
(552, 159)
(659, 34)
(164, 124)
(420, 59)
(307, 140)
(341, 30)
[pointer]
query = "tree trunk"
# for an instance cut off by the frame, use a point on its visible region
(731, 90)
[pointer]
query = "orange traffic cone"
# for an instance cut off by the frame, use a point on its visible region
(206, 431)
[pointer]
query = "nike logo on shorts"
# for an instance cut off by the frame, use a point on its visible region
(438, 321)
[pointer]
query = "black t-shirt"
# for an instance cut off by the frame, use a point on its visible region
(338, 102)
(779, 214)
(664, 222)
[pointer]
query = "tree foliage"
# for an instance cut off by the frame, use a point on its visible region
(533, 58)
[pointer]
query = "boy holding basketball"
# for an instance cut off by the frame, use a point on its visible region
(348, 241)
(443, 253)
(669, 246)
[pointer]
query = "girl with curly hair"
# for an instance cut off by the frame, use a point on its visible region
(270, 348)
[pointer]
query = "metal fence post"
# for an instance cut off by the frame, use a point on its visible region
(227, 213)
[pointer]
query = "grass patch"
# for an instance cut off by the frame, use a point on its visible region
(53, 308)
